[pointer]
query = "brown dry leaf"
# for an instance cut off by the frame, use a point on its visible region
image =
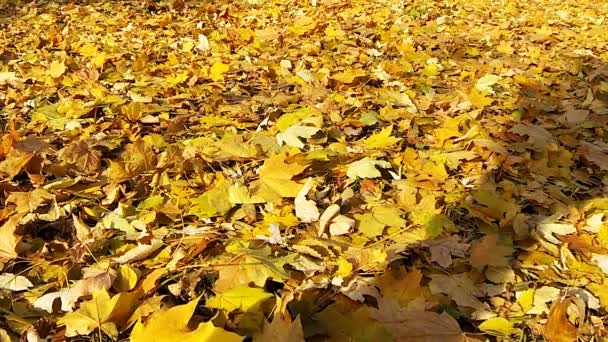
(80, 154)
(417, 326)
(139, 157)
(30, 201)
(94, 279)
(558, 327)
(282, 328)
(400, 285)
(490, 251)
(574, 116)
(594, 154)
(443, 250)
(538, 137)
(459, 287)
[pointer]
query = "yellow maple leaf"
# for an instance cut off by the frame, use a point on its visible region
(349, 76)
(172, 325)
(497, 325)
(243, 297)
(303, 25)
(217, 71)
(176, 79)
(275, 179)
(505, 47)
(601, 291)
(381, 139)
(88, 50)
(479, 98)
(99, 60)
(100, 312)
(56, 69)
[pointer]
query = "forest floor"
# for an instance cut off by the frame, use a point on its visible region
(284, 170)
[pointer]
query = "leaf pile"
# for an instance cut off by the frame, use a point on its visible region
(344, 170)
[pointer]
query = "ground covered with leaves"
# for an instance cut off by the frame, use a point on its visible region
(276, 170)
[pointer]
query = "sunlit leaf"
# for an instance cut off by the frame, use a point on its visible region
(172, 324)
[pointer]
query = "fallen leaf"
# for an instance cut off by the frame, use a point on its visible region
(490, 251)
(443, 250)
(498, 326)
(243, 298)
(459, 287)
(485, 83)
(30, 201)
(203, 43)
(217, 71)
(56, 69)
(302, 25)
(94, 279)
(14, 163)
(401, 285)
(366, 168)
(282, 328)
(292, 135)
(275, 178)
(213, 202)
(542, 296)
(126, 278)
(547, 230)
(172, 325)
(349, 76)
(101, 312)
(601, 291)
(86, 159)
(351, 324)
(11, 282)
(340, 225)
(594, 154)
(7, 76)
(327, 215)
(558, 328)
(539, 138)
(382, 139)
(140, 252)
(306, 210)
(8, 238)
(418, 326)
(46, 301)
(275, 235)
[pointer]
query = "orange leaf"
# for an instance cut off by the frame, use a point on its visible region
(558, 328)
